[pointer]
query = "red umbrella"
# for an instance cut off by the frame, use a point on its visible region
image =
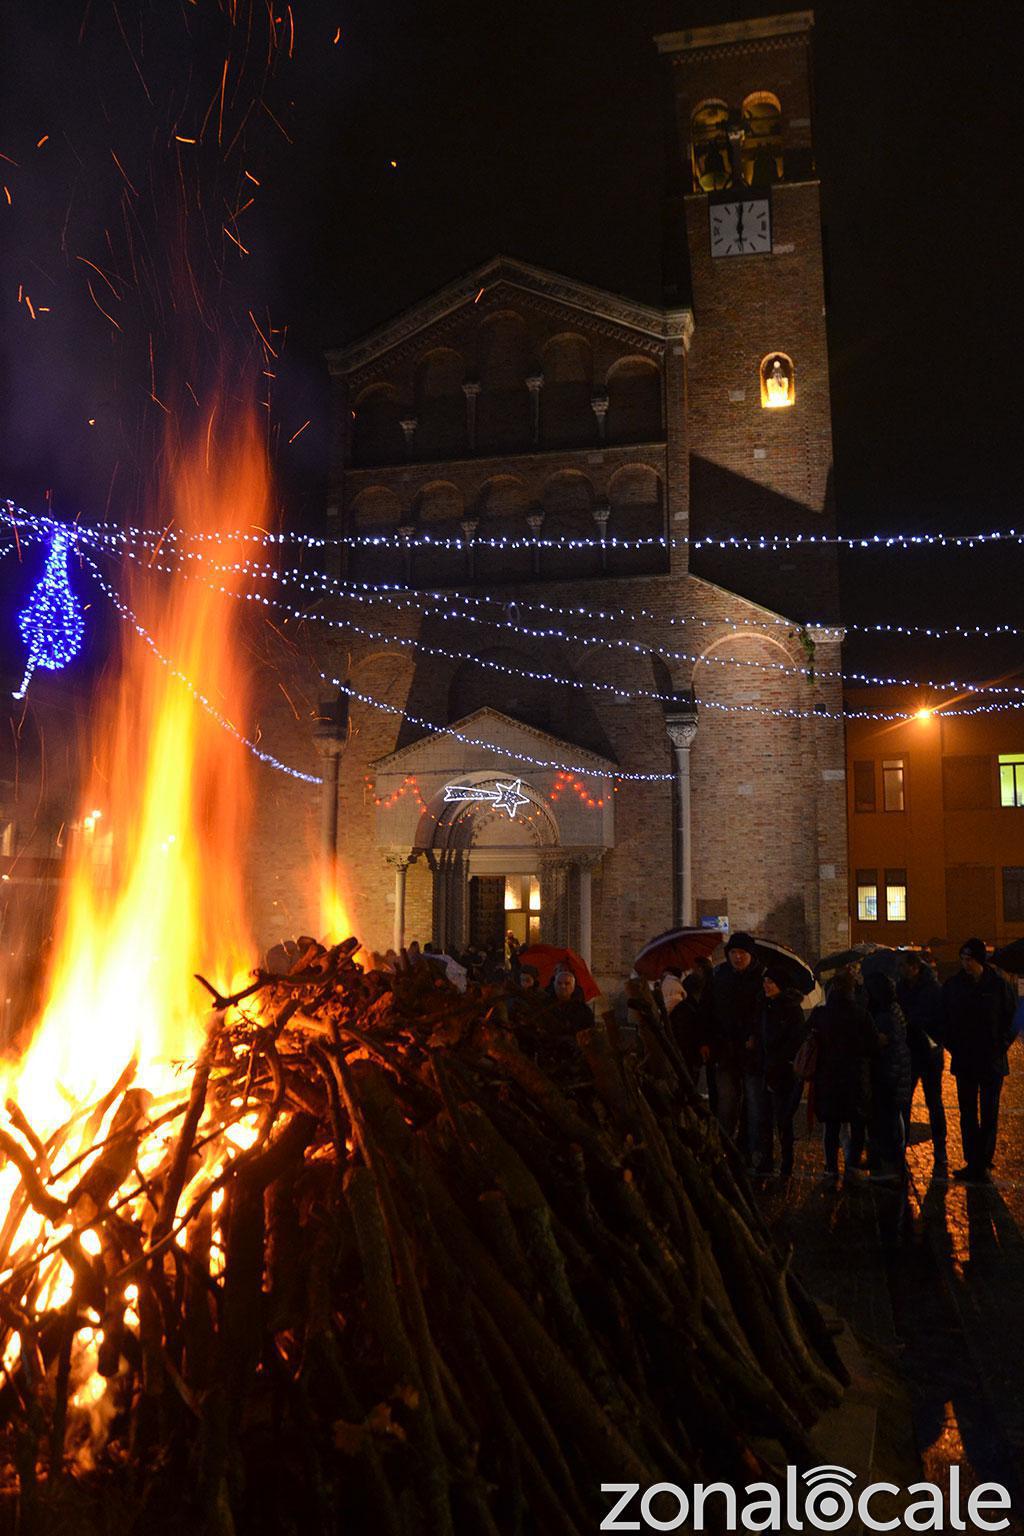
(548, 957)
(678, 949)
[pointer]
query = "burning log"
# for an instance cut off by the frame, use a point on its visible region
(403, 1266)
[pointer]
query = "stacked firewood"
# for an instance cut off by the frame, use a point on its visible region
(462, 1272)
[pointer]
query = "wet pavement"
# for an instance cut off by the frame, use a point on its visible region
(932, 1276)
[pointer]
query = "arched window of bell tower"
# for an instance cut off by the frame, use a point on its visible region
(709, 154)
(762, 145)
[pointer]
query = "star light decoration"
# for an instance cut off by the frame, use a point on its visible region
(51, 623)
(504, 797)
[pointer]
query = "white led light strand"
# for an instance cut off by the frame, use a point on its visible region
(110, 535)
(211, 709)
(385, 637)
(266, 572)
(491, 746)
(760, 543)
(742, 709)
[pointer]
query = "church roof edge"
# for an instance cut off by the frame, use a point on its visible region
(757, 28)
(668, 324)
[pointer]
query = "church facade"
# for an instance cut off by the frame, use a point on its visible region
(568, 705)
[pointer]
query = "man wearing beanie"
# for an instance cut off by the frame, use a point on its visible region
(733, 1004)
(978, 1008)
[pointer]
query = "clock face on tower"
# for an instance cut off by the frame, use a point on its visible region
(740, 226)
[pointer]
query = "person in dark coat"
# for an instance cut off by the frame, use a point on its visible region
(733, 1002)
(847, 1041)
(772, 1089)
(920, 996)
(687, 1023)
(978, 1008)
(891, 1080)
(570, 1012)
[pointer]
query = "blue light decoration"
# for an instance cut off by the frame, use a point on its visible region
(51, 623)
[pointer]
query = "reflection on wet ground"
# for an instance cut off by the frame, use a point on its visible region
(934, 1273)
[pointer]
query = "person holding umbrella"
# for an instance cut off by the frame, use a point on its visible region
(891, 1080)
(847, 1041)
(772, 1089)
(978, 1009)
(920, 996)
(733, 1004)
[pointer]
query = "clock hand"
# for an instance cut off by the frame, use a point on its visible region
(739, 224)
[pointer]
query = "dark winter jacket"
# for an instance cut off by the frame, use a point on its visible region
(734, 1003)
(688, 1027)
(847, 1043)
(921, 1001)
(978, 1023)
(891, 1073)
(782, 1032)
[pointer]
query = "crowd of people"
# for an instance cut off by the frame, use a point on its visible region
(743, 1033)
(860, 1055)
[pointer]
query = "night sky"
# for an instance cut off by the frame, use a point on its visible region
(529, 129)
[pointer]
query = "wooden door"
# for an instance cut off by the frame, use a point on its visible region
(487, 912)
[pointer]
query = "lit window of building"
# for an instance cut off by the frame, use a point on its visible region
(892, 784)
(777, 383)
(896, 895)
(867, 895)
(1011, 778)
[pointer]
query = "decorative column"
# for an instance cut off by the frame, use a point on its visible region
(602, 512)
(585, 864)
(405, 533)
(535, 522)
(599, 406)
(408, 425)
(400, 864)
(330, 734)
(471, 390)
(681, 724)
(554, 897)
(469, 527)
(535, 383)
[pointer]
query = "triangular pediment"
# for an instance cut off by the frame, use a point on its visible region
(506, 273)
(490, 727)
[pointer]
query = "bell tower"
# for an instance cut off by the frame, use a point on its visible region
(759, 427)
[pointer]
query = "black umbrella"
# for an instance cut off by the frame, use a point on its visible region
(797, 972)
(1010, 958)
(882, 961)
(844, 957)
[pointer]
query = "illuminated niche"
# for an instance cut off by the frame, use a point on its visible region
(778, 383)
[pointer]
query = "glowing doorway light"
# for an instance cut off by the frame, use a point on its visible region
(504, 797)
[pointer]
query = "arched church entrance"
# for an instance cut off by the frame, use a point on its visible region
(492, 865)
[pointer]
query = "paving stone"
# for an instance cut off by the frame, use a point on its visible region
(932, 1274)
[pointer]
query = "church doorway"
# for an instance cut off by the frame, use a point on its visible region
(501, 904)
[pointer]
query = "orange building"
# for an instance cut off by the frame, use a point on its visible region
(936, 824)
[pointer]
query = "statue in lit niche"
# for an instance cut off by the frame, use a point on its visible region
(777, 381)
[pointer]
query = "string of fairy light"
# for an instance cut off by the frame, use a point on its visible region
(767, 543)
(52, 628)
(388, 637)
(934, 685)
(111, 537)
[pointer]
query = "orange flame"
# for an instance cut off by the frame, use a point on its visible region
(154, 888)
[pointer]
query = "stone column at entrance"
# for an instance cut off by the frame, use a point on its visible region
(330, 734)
(681, 724)
(400, 864)
(585, 863)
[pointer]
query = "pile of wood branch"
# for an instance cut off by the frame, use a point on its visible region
(462, 1274)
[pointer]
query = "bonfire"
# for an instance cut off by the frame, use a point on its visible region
(339, 1250)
